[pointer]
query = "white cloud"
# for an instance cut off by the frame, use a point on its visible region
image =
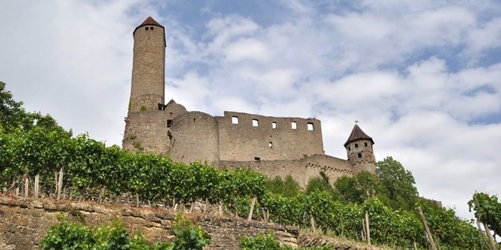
(246, 49)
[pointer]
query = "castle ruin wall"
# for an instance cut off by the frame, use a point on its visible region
(146, 131)
(301, 170)
(246, 137)
(194, 136)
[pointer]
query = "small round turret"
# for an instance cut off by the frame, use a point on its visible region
(148, 69)
(359, 148)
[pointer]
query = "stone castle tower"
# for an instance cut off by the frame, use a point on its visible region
(148, 69)
(275, 146)
(359, 150)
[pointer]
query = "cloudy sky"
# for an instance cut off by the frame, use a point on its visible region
(422, 77)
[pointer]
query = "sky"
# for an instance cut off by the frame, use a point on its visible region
(423, 78)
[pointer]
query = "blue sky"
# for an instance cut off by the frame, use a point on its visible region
(422, 77)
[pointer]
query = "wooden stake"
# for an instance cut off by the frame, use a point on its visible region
(363, 229)
(37, 179)
(428, 233)
(253, 202)
(367, 227)
(484, 237)
(26, 186)
(59, 184)
(312, 222)
(55, 181)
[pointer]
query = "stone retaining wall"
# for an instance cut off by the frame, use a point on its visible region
(23, 222)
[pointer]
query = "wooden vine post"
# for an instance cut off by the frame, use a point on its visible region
(427, 229)
(368, 232)
(37, 186)
(26, 187)
(253, 203)
(59, 183)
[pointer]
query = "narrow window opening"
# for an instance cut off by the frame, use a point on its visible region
(147, 28)
(293, 125)
(234, 119)
(151, 28)
(169, 123)
(255, 123)
(365, 143)
(348, 148)
(356, 145)
(194, 119)
(274, 125)
(310, 126)
(257, 158)
(359, 155)
(270, 144)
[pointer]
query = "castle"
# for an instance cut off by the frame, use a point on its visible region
(275, 146)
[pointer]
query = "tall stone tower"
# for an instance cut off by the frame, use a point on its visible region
(146, 127)
(148, 69)
(359, 148)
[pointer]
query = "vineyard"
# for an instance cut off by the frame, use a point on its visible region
(38, 158)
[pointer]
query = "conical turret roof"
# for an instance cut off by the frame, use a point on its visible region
(148, 21)
(357, 134)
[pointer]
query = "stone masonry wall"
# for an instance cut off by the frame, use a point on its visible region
(148, 69)
(146, 131)
(302, 170)
(24, 222)
(194, 137)
(272, 139)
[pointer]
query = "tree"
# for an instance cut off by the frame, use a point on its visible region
(487, 210)
(14, 117)
(398, 182)
(11, 112)
(287, 188)
(321, 184)
(348, 189)
(361, 187)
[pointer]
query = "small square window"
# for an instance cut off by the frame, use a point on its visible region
(356, 145)
(359, 155)
(293, 125)
(151, 28)
(234, 119)
(310, 126)
(255, 123)
(147, 28)
(274, 125)
(169, 123)
(365, 143)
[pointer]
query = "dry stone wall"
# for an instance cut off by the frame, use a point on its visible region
(20, 218)
(24, 222)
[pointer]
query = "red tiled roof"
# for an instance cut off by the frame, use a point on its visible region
(148, 21)
(357, 134)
